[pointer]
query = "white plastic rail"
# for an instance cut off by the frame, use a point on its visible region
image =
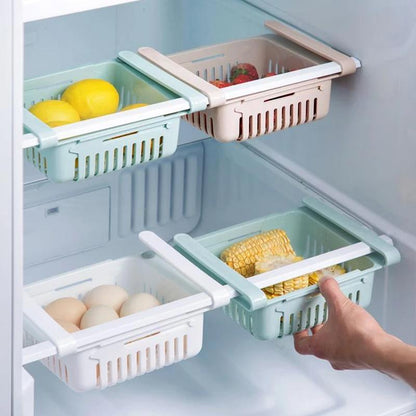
(216, 291)
(113, 120)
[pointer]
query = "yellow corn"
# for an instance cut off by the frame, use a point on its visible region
(243, 255)
(274, 262)
(332, 271)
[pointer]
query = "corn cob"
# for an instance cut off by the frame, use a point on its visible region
(243, 255)
(274, 262)
(332, 271)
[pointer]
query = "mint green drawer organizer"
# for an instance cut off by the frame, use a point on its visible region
(110, 149)
(313, 229)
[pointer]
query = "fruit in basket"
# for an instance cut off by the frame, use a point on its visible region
(220, 84)
(138, 302)
(55, 112)
(132, 106)
(244, 69)
(66, 309)
(269, 74)
(92, 98)
(243, 255)
(109, 295)
(98, 314)
(240, 79)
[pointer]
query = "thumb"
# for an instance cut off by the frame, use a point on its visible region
(330, 290)
(303, 342)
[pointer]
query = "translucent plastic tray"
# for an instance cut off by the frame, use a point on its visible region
(131, 346)
(319, 233)
(105, 144)
(299, 93)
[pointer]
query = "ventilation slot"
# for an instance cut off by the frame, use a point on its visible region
(315, 108)
(250, 127)
(259, 124)
(240, 128)
(160, 147)
(142, 149)
(76, 170)
(115, 159)
(133, 154)
(307, 109)
(152, 149)
(106, 161)
(291, 121)
(97, 164)
(283, 117)
(124, 163)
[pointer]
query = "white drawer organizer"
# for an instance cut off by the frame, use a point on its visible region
(298, 94)
(131, 346)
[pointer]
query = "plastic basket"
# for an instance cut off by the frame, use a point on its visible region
(300, 93)
(320, 241)
(131, 346)
(105, 144)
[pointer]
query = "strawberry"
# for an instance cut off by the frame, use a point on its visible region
(244, 69)
(269, 74)
(239, 79)
(220, 84)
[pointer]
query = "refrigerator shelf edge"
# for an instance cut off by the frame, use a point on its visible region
(44, 9)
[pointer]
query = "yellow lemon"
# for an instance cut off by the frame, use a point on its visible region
(92, 98)
(131, 106)
(55, 112)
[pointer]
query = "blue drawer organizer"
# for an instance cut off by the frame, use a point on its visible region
(313, 229)
(101, 149)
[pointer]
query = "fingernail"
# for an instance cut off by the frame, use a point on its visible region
(323, 279)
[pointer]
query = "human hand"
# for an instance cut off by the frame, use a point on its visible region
(351, 337)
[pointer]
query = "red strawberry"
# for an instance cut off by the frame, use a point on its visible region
(220, 84)
(269, 74)
(239, 79)
(244, 69)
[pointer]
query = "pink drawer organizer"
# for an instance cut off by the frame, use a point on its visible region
(298, 94)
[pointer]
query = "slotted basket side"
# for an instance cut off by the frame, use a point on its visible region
(77, 161)
(289, 314)
(118, 362)
(263, 114)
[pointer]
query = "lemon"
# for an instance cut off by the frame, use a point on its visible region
(92, 98)
(131, 106)
(55, 112)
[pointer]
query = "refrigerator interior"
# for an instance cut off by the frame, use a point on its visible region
(206, 185)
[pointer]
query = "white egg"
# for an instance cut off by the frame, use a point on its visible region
(110, 295)
(66, 309)
(98, 314)
(68, 326)
(138, 302)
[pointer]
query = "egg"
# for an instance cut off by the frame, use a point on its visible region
(68, 326)
(110, 295)
(138, 302)
(66, 309)
(98, 314)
